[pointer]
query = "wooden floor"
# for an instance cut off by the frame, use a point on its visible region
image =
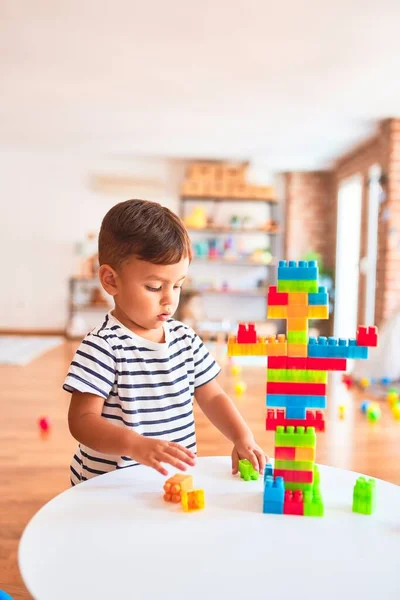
(33, 470)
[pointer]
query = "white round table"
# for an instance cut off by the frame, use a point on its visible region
(115, 538)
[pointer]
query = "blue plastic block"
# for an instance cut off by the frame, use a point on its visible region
(268, 471)
(274, 494)
(319, 299)
(304, 271)
(276, 400)
(334, 348)
(295, 412)
(295, 401)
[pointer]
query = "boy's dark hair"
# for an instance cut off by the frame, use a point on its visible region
(143, 229)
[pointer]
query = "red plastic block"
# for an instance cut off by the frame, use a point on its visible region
(277, 298)
(246, 334)
(293, 503)
(326, 364)
(287, 453)
(275, 418)
(277, 362)
(296, 362)
(367, 336)
(303, 389)
(294, 476)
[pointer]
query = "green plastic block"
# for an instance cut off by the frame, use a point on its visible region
(300, 285)
(297, 376)
(247, 471)
(316, 477)
(297, 337)
(293, 486)
(294, 465)
(313, 503)
(295, 437)
(364, 496)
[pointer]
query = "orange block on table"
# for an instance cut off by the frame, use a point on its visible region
(175, 485)
(192, 500)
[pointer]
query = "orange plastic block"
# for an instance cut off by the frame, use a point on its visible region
(297, 310)
(246, 349)
(192, 500)
(306, 454)
(298, 298)
(297, 323)
(176, 485)
(297, 350)
(277, 312)
(318, 312)
(277, 346)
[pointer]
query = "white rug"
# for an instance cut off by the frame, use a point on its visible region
(21, 350)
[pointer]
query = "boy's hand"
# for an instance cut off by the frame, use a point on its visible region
(152, 452)
(246, 447)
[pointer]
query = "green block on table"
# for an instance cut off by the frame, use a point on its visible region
(247, 471)
(313, 503)
(294, 465)
(297, 337)
(300, 285)
(364, 496)
(297, 437)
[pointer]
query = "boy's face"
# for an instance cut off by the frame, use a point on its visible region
(145, 294)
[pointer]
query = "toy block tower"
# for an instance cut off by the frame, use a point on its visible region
(297, 375)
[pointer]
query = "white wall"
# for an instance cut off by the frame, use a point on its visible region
(47, 206)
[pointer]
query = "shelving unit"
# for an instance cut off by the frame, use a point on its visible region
(87, 288)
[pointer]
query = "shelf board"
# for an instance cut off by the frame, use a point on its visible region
(227, 199)
(105, 308)
(249, 293)
(240, 263)
(232, 230)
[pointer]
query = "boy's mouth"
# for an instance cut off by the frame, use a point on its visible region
(163, 316)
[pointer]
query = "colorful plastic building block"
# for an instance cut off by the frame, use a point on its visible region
(174, 486)
(293, 503)
(193, 500)
(364, 496)
(276, 418)
(297, 382)
(367, 336)
(246, 334)
(247, 471)
(274, 493)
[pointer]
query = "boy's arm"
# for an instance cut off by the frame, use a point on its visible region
(91, 429)
(221, 411)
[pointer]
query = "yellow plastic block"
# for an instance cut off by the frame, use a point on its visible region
(297, 310)
(193, 500)
(297, 323)
(298, 298)
(175, 486)
(277, 312)
(258, 349)
(297, 350)
(318, 312)
(304, 454)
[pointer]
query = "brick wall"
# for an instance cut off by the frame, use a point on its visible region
(311, 213)
(308, 208)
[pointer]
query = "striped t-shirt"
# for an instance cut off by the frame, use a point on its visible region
(145, 385)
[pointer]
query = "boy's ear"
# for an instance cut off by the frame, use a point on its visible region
(108, 279)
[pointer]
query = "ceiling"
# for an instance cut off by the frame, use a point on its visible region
(292, 83)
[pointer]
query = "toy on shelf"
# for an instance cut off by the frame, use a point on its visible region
(197, 219)
(342, 411)
(297, 367)
(364, 496)
(221, 180)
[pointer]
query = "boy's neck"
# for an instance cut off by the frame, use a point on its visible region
(153, 335)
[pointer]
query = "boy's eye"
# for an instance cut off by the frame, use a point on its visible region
(153, 289)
